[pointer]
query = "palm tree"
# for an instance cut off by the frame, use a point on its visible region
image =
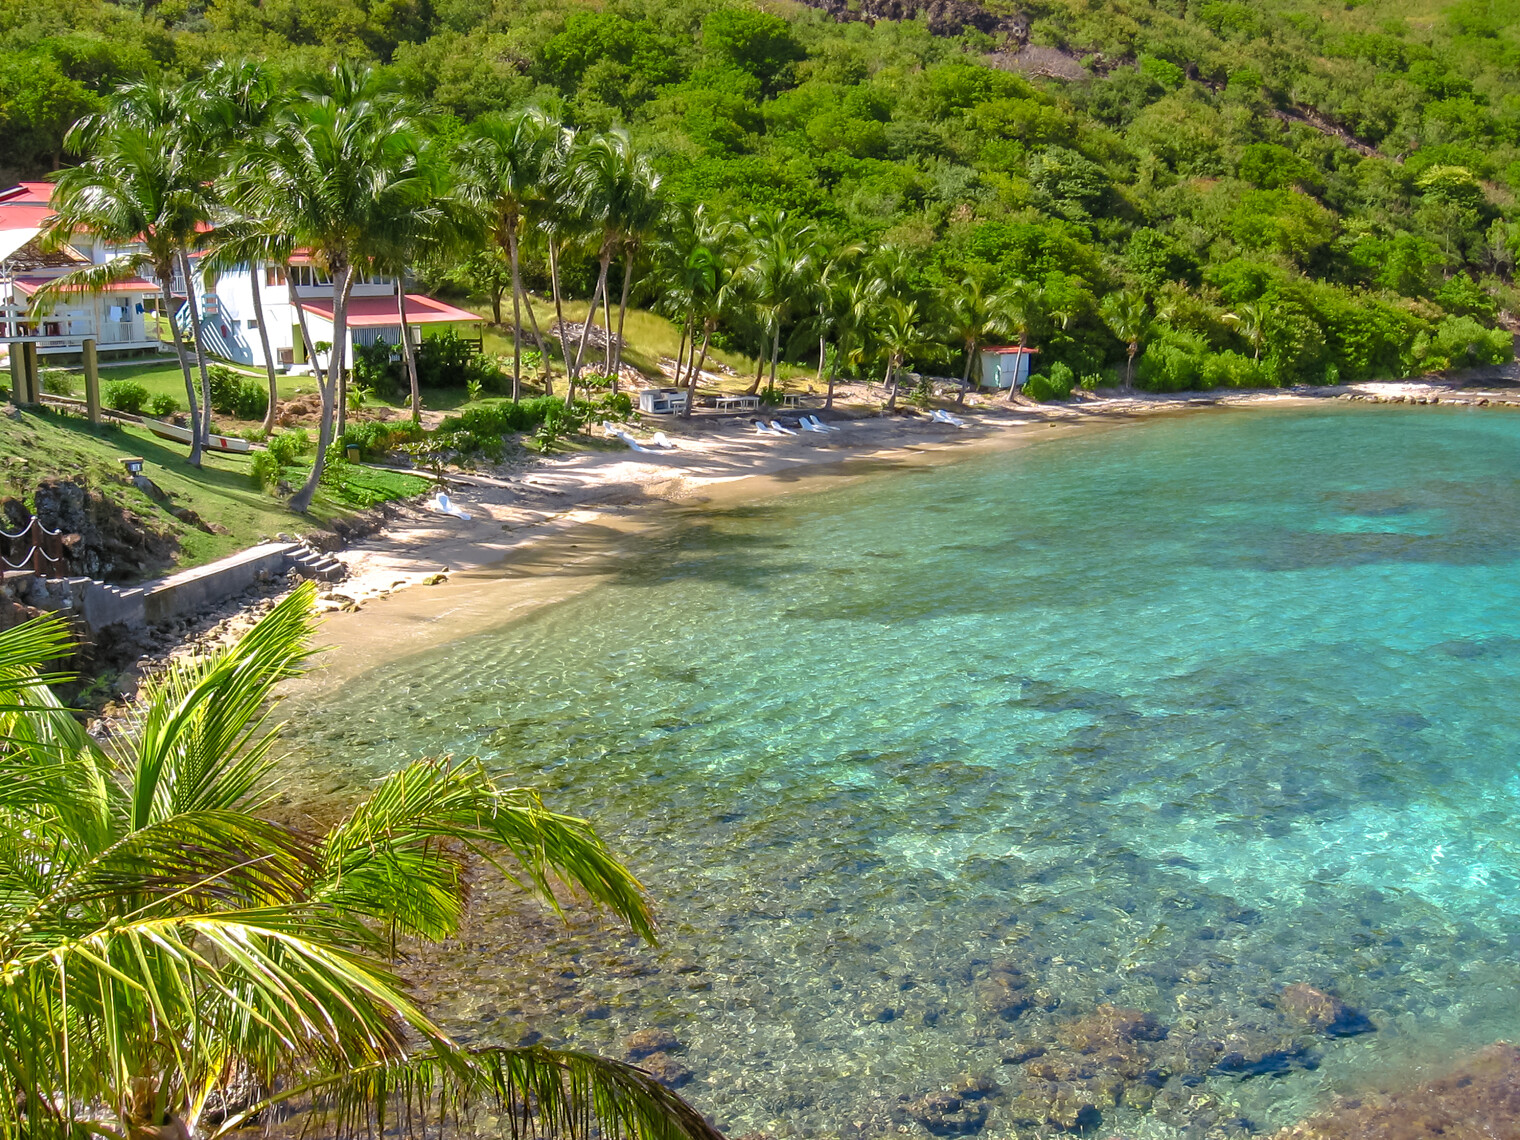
(1249, 321)
(1020, 307)
(616, 189)
(780, 270)
(425, 226)
(339, 166)
(857, 298)
(502, 163)
(143, 189)
(177, 964)
(1124, 313)
(901, 331)
(639, 212)
(555, 211)
(974, 318)
(837, 306)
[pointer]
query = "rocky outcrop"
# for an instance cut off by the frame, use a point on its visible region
(943, 17)
(99, 538)
(1479, 1098)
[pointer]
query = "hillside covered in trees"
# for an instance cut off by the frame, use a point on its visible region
(1239, 193)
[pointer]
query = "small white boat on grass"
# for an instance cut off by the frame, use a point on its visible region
(182, 435)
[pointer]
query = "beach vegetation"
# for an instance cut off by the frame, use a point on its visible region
(1200, 185)
(180, 961)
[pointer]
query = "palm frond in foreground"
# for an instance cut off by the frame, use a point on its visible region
(176, 964)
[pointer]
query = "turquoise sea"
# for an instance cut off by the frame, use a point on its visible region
(923, 768)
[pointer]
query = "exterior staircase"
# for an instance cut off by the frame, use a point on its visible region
(314, 564)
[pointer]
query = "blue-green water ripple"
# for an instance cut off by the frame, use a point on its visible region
(1172, 715)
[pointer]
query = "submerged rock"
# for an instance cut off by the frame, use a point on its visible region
(946, 1114)
(1321, 1011)
(1478, 1099)
(1004, 992)
(666, 1069)
(647, 1041)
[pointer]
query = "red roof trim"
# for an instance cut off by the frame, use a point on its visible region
(1006, 349)
(380, 312)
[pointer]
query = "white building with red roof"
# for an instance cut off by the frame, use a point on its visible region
(113, 316)
(118, 316)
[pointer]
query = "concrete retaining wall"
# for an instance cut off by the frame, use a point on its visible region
(99, 605)
(191, 591)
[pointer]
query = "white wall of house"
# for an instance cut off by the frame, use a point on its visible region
(236, 314)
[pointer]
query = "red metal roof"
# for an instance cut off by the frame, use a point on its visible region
(30, 285)
(29, 193)
(1005, 349)
(380, 312)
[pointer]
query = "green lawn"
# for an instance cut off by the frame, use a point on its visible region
(42, 444)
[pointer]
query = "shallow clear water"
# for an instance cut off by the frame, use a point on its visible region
(1167, 716)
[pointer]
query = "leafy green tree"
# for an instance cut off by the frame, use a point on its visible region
(176, 963)
(756, 42)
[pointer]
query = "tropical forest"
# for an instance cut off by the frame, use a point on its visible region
(1173, 196)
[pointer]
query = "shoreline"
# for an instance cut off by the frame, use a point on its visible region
(547, 526)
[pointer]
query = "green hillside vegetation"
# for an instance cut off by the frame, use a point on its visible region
(1225, 193)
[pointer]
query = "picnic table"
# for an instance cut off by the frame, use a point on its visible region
(737, 403)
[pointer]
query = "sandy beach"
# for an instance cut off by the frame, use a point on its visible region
(550, 526)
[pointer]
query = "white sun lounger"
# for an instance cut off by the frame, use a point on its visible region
(809, 425)
(444, 506)
(661, 440)
(776, 426)
(761, 429)
(819, 425)
(940, 416)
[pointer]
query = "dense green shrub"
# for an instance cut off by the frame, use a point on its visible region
(235, 395)
(57, 382)
(375, 438)
(163, 405)
(501, 418)
(374, 369)
(265, 470)
(1054, 385)
(126, 396)
(1461, 342)
(289, 446)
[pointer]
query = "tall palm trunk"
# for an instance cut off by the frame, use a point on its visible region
(329, 384)
(165, 276)
(596, 295)
(306, 341)
(1129, 367)
(518, 292)
(775, 352)
(828, 399)
(407, 354)
(263, 326)
(892, 367)
(696, 373)
(617, 357)
(823, 348)
(681, 349)
(960, 397)
(204, 427)
(559, 316)
(759, 371)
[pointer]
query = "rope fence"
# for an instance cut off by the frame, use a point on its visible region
(46, 547)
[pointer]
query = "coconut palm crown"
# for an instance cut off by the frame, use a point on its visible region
(175, 963)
